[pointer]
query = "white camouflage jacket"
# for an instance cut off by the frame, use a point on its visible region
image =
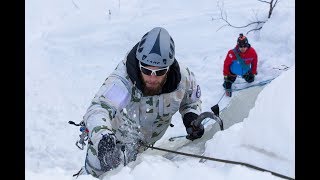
(120, 107)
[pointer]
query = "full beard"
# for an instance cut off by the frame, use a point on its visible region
(151, 91)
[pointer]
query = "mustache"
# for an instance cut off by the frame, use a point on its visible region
(151, 91)
(152, 82)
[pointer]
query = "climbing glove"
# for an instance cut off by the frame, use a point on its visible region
(249, 77)
(108, 152)
(193, 131)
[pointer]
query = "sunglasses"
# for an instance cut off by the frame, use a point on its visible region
(242, 45)
(149, 72)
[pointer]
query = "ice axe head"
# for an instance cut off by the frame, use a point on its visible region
(215, 109)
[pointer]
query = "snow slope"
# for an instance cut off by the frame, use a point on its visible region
(72, 46)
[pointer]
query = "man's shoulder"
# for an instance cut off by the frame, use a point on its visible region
(186, 73)
(231, 51)
(119, 76)
(184, 70)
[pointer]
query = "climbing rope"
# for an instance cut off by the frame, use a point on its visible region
(261, 83)
(219, 160)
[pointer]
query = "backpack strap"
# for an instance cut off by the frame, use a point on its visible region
(243, 64)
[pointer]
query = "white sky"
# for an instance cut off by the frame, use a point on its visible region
(72, 46)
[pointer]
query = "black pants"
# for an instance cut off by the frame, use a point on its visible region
(249, 77)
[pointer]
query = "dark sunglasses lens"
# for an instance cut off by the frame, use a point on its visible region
(161, 72)
(145, 71)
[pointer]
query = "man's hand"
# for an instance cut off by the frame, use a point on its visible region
(108, 153)
(249, 77)
(195, 132)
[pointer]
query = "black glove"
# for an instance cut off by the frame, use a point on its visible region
(193, 131)
(249, 77)
(228, 80)
(108, 152)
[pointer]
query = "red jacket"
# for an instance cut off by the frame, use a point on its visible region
(249, 56)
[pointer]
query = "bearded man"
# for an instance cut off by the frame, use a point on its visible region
(136, 103)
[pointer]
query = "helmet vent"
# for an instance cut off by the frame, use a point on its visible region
(170, 55)
(145, 35)
(171, 40)
(156, 47)
(171, 47)
(164, 61)
(142, 42)
(140, 49)
(143, 57)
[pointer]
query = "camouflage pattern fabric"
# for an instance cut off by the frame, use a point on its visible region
(120, 108)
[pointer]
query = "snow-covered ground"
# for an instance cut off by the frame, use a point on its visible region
(72, 46)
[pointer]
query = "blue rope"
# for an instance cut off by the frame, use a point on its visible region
(240, 82)
(258, 84)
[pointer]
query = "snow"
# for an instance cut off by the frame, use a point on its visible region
(72, 46)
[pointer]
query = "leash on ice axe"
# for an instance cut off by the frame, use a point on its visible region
(83, 136)
(213, 115)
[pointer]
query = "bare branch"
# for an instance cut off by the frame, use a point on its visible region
(257, 23)
(221, 27)
(264, 1)
(256, 29)
(272, 5)
(75, 4)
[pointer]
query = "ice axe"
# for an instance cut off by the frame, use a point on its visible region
(215, 109)
(204, 115)
(214, 115)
